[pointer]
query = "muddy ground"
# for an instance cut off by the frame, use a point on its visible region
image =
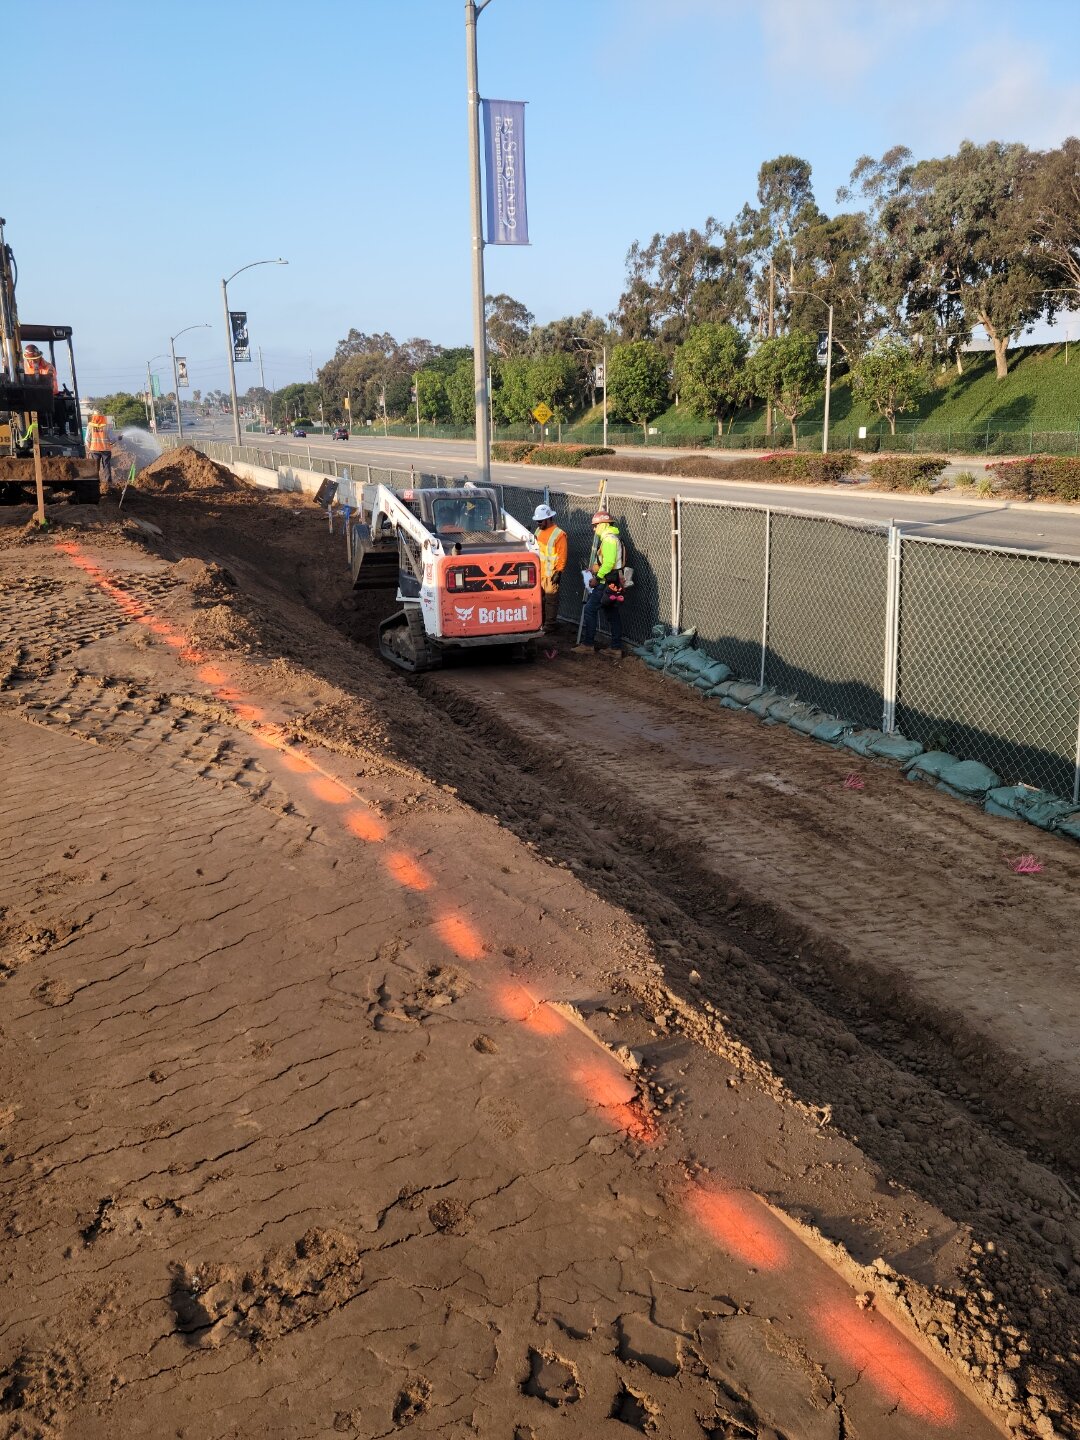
(516, 1051)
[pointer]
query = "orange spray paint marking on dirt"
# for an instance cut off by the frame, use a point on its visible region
(365, 825)
(459, 936)
(516, 1003)
(407, 872)
(332, 791)
(248, 712)
(613, 1094)
(892, 1366)
(211, 675)
(298, 764)
(741, 1225)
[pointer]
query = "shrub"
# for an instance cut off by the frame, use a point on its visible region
(815, 468)
(569, 455)
(964, 480)
(1040, 477)
(708, 467)
(985, 488)
(512, 451)
(903, 472)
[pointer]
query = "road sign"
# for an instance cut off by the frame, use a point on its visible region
(542, 413)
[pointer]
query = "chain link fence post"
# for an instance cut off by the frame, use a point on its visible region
(892, 631)
(765, 600)
(676, 563)
(1076, 767)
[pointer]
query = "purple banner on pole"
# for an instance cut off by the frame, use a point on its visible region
(504, 147)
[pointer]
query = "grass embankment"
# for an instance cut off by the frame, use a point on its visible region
(1040, 393)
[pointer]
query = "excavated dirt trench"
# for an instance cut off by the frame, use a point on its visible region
(864, 955)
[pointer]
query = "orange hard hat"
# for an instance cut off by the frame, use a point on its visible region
(600, 518)
(32, 350)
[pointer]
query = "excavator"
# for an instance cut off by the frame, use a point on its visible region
(29, 401)
(466, 573)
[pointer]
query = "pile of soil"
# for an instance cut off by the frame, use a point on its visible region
(52, 468)
(186, 469)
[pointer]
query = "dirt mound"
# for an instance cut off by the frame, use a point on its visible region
(52, 468)
(220, 628)
(186, 469)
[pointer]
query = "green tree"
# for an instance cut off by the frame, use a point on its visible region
(892, 378)
(508, 324)
(126, 409)
(711, 375)
(431, 392)
(461, 393)
(785, 372)
(556, 380)
(511, 394)
(637, 381)
(687, 278)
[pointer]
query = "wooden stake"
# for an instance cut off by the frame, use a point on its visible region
(38, 476)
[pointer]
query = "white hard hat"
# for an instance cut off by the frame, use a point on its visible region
(543, 512)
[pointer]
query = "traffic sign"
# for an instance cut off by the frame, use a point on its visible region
(542, 413)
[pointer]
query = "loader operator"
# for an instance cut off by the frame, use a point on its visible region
(606, 587)
(35, 365)
(99, 445)
(552, 542)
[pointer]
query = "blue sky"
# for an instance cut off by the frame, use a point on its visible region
(205, 135)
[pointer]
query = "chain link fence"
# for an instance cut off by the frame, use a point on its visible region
(966, 648)
(989, 658)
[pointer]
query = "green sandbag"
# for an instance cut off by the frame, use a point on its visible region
(654, 662)
(830, 731)
(691, 662)
(739, 692)
(894, 747)
(787, 709)
(930, 766)
(883, 747)
(1069, 827)
(712, 675)
(968, 780)
(671, 644)
(762, 703)
(1022, 802)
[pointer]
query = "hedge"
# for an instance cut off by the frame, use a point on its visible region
(569, 455)
(906, 472)
(1040, 477)
(815, 468)
(789, 465)
(512, 451)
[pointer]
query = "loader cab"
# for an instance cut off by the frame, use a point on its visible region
(60, 418)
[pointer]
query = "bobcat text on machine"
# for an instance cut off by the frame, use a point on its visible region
(467, 574)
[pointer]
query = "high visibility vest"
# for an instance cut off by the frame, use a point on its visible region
(97, 439)
(610, 554)
(548, 554)
(37, 365)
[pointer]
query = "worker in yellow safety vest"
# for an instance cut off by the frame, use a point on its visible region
(99, 444)
(552, 542)
(605, 587)
(36, 366)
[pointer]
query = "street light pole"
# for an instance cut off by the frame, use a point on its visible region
(483, 439)
(176, 378)
(605, 395)
(828, 365)
(229, 339)
(150, 393)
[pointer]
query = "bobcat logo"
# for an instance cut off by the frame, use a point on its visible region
(464, 612)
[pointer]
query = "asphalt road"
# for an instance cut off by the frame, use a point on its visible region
(1055, 530)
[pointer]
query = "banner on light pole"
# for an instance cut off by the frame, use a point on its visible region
(240, 343)
(155, 386)
(181, 372)
(504, 149)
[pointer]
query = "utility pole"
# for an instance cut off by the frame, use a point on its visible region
(828, 389)
(262, 384)
(416, 395)
(150, 393)
(772, 332)
(483, 441)
(605, 393)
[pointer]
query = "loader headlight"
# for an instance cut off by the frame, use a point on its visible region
(526, 576)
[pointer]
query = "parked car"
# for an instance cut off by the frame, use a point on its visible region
(299, 434)
(341, 433)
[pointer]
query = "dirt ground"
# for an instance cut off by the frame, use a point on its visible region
(518, 1051)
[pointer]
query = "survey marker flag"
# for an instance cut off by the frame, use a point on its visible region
(504, 149)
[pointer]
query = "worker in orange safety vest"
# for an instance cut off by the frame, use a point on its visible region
(552, 542)
(36, 366)
(99, 444)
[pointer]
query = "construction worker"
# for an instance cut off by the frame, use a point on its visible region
(99, 444)
(35, 365)
(552, 542)
(606, 587)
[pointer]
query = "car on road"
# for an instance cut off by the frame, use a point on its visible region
(341, 433)
(299, 434)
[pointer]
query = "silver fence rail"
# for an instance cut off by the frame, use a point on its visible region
(967, 648)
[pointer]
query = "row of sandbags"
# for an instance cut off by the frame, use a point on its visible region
(677, 655)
